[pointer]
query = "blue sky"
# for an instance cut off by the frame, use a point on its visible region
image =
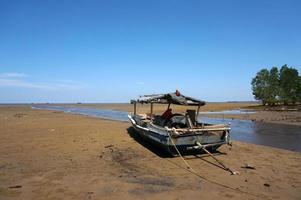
(111, 51)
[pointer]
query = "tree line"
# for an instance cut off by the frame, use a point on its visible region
(275, 86)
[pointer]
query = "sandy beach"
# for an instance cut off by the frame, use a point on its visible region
(89, 88)
(54, 155)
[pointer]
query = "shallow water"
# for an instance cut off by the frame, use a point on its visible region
(268, 134)
(228, 112)
(94, 112)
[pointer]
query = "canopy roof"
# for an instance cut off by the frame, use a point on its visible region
(170, 98)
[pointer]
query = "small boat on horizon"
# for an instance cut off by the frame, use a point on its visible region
(177, 132)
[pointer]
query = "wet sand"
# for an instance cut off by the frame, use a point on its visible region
(54, 155)
(278, 117)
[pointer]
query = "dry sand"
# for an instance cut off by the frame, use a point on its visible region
(53, 155)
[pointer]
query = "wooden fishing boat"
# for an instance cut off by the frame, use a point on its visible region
(179, 131)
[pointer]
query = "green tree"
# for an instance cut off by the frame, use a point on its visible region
(266, 86)
(273, 86)
(260, 86)
(290, 85)
(299, 90)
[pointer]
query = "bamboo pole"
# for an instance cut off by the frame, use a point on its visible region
(197, 114)
(152, 110)
(198, 129)
(135, 108)
(220, 162)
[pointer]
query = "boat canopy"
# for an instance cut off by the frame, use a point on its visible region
(169, 98)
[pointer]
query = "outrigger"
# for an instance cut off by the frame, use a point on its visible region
(177, 131)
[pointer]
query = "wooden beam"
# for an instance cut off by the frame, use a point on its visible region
(197, 114)
(198, 129)
(152, 110)
(135, 108)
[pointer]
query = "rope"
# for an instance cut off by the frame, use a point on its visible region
(186, 163)
(191, 170)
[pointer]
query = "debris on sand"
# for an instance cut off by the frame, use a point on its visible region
(247, 166)
(108, 146)
(19, 115)
(267, 185)
(15, 187)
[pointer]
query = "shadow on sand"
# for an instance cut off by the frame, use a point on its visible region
(151, 147)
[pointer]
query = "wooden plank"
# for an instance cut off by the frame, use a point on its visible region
(199, 129)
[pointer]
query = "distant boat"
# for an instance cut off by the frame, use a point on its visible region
(177, 132)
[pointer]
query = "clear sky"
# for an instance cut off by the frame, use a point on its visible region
(111, 51)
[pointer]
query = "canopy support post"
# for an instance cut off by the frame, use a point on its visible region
(197, 114)
(135, 108)
(152, 110)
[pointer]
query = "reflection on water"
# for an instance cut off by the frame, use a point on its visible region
(275, 135)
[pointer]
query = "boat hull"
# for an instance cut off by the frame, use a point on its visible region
(164, 140)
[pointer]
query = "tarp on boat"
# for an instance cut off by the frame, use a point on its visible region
(169, 98)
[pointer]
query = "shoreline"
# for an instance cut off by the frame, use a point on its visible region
(261, 115)
(276, 117)
(244, 129)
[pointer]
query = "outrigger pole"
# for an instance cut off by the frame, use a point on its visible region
(220, 162)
